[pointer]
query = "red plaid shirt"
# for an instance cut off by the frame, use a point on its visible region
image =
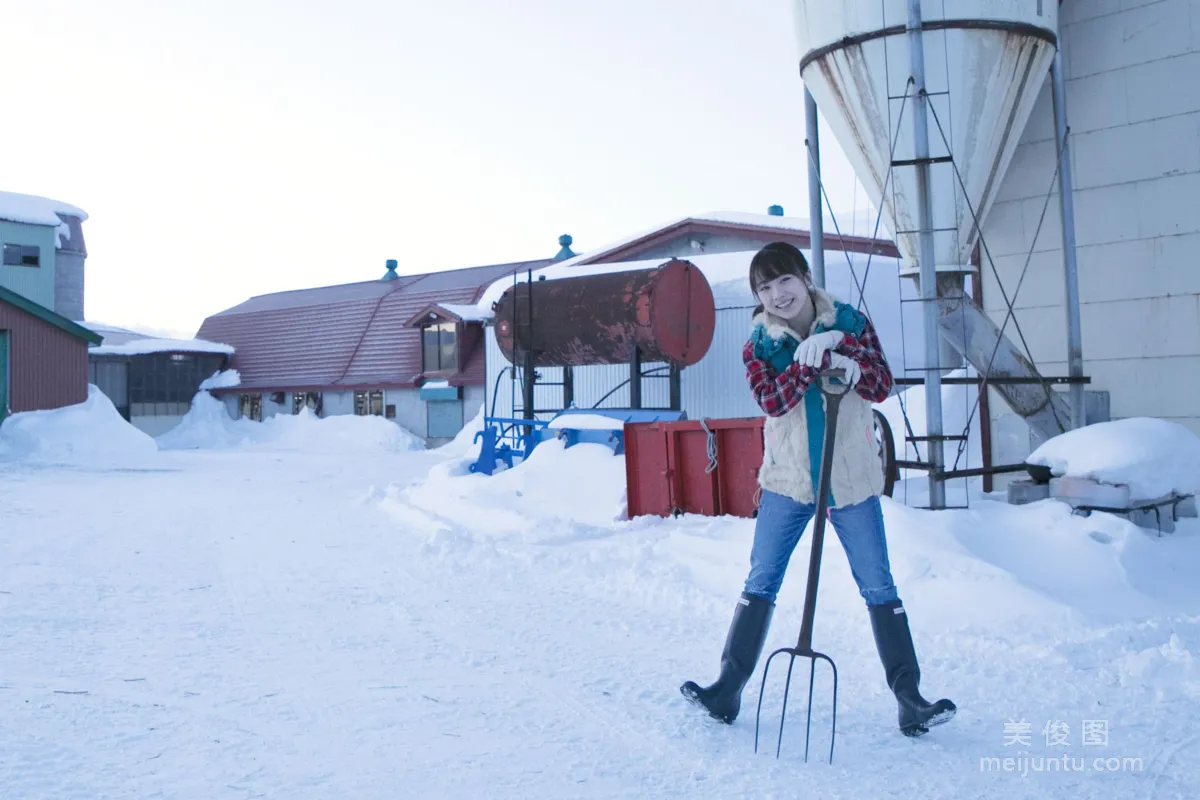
(778, 394)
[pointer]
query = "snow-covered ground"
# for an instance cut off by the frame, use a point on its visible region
(240, 618)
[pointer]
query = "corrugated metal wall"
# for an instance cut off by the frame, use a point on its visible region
(592, 384)
(48, 367)
(716, 387)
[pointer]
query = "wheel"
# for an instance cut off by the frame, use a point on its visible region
(887, 451)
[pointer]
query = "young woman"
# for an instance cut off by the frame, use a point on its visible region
(799, 330)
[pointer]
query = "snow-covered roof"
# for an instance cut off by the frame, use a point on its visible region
(112, 334)
(33, 210)
(141, 347)
(727, 275)
(858, 223)
(719, 268)
(467, 313)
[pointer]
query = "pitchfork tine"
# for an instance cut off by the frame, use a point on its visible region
(804, 644)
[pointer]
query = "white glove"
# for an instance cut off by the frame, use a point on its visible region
(853, 370)
(811, 351)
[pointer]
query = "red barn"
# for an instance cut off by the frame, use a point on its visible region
(43, 357)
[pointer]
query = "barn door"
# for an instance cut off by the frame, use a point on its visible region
(4, 370)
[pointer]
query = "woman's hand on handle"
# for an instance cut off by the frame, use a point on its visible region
(811, 351)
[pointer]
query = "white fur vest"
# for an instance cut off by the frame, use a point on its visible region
(787, 454)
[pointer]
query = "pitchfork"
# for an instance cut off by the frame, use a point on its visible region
(803, 646)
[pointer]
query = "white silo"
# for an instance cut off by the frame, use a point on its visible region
(928, 101)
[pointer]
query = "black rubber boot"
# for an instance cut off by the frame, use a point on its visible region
(743, 646)
(894, 642)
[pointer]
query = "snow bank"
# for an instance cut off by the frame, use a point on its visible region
(535, 499)
(141, 347)
(91, 433)
(208, 426)
(991, 565)
(1153, 457)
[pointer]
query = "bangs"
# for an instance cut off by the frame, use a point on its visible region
(774, 261)
(766, 270)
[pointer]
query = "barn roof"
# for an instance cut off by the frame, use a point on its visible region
(350, 335)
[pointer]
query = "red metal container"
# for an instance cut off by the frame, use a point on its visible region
(682, 468)
(667, 311)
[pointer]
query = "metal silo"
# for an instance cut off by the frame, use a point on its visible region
(928, 101)
(70, 256)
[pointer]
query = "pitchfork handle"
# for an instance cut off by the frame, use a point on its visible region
(833, 401)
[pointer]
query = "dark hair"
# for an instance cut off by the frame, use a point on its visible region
(773, 261)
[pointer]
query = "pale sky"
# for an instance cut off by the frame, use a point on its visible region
(225, 149)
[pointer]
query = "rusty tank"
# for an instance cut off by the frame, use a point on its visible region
(667, 312)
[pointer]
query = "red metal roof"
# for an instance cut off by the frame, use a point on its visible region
(347, 336)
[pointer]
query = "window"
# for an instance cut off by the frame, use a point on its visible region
(22, 255)
(250, 406)
(163, 384)
(111, 376)
(309, 400)
(368, 403)
(439, 348)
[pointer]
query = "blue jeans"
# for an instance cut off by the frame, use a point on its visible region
(781, 521)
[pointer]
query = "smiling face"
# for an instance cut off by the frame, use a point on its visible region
(786, 296)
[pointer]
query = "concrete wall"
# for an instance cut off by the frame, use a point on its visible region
(335, 403)
(34, 283)
(1133, 101)
(410, 410)
(472, 402)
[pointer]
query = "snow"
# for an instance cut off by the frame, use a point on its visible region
(1154, 457)
(324, 619)
(141, 347)
(467, 313)
(438, 384)
(112, 334)
(586, 422)
(860, 222)
(87, 434)
(207, 425)
(34, 210)
(222, 379)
